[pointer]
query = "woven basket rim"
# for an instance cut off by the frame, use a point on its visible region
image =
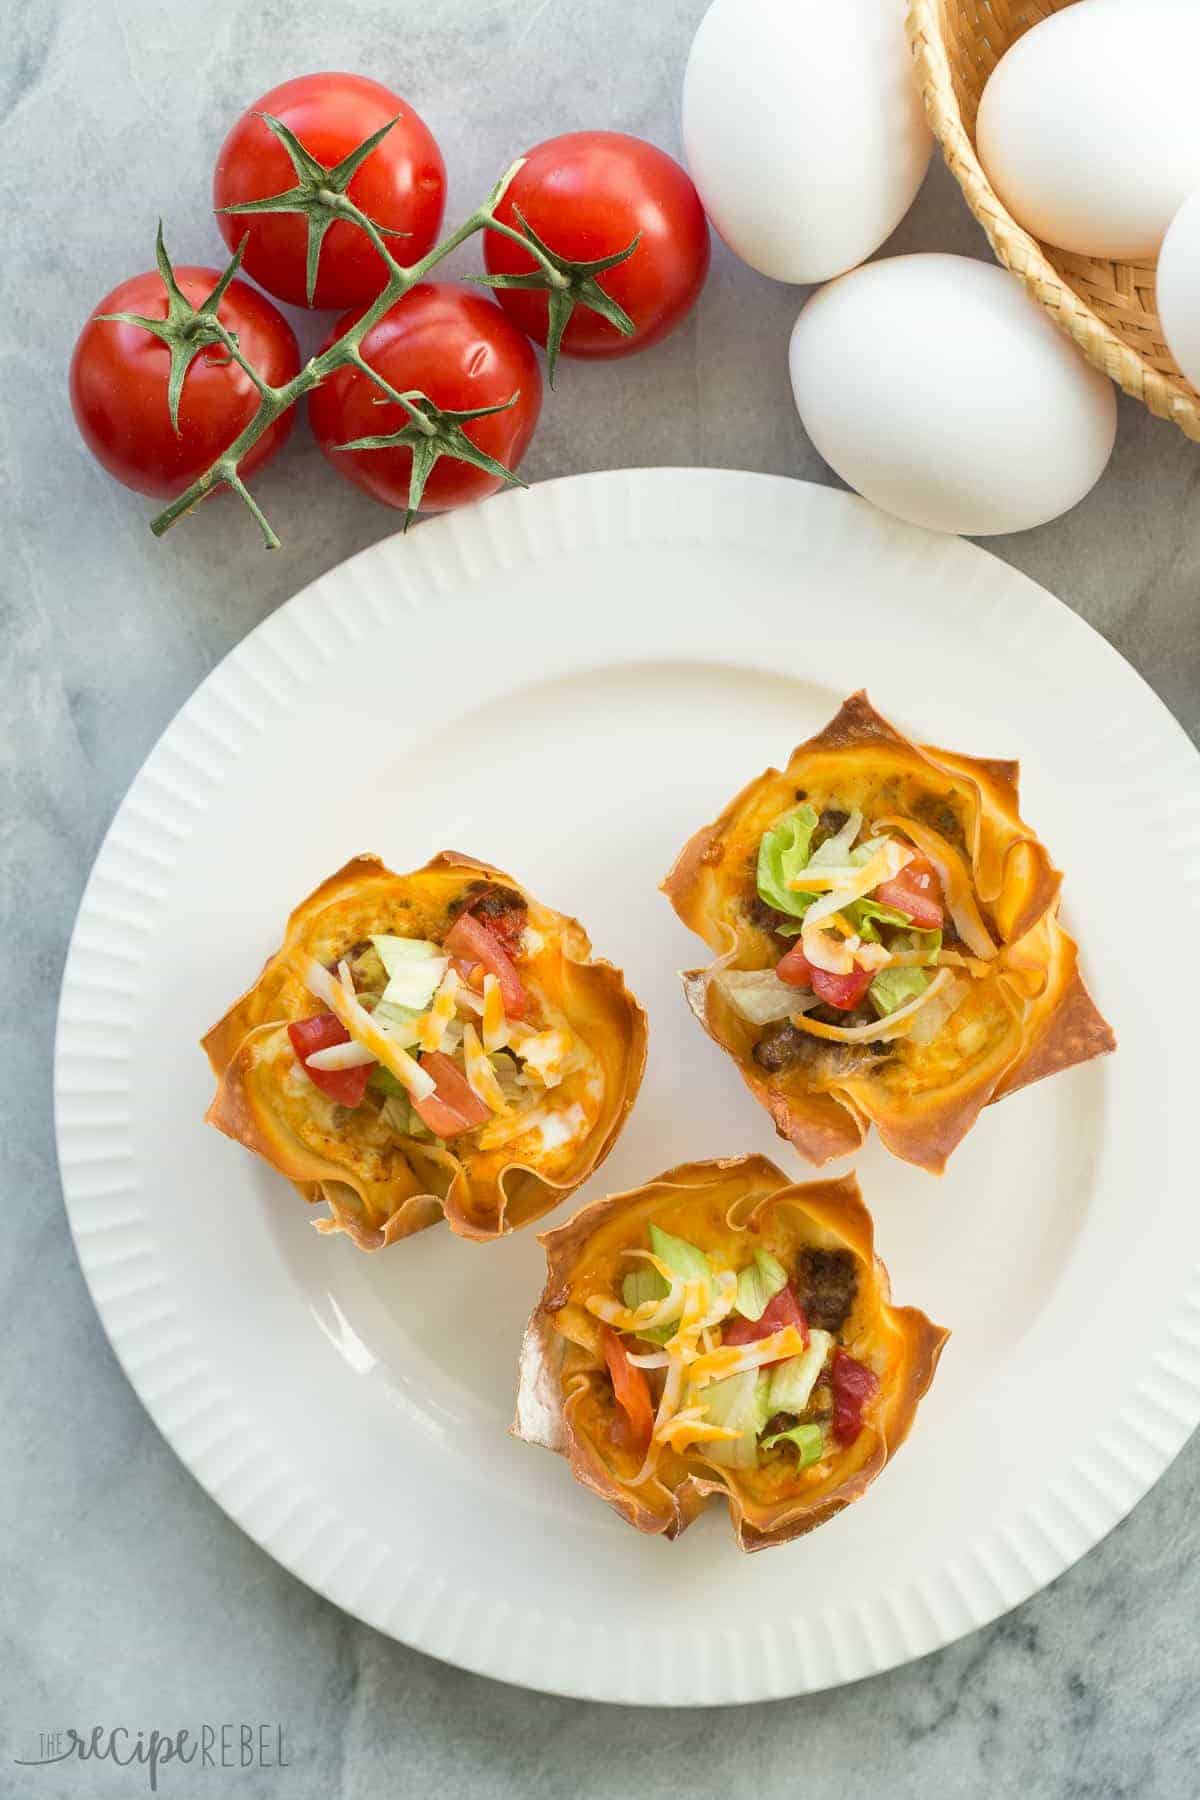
(1167, 397)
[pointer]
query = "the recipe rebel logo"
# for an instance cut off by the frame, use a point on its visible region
(228, 1746)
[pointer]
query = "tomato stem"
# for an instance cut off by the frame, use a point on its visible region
(553, 277)
(229, 339)
(419, 419)
(435, 432)
(567, 283)
(319, 193)
(234, 481)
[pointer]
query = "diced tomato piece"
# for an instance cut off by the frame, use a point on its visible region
(442, 1120)
(853, 1385)
(842, 991)
(781, 1310)
(916, 890)
(455, 1107)
(454, 1087)
(795, 968)
(319, 1033)
(506, 922)
(631, 1388)
(471, 940)
(345, 1086)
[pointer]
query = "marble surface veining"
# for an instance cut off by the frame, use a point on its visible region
(125, 1594)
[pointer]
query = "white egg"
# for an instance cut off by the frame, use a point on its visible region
(1179, 289)
(939, 390)
(1089, 128)
(803, 130)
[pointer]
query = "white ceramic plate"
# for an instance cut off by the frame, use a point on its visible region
(567, 682)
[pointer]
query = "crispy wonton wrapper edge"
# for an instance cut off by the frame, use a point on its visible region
(543, 1413)
(518, 1193)
(1011, 872)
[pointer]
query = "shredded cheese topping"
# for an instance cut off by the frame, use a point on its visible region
(892, 1025)
(737, 1359)
(854, 883)
(956, 884)
(691, 1357)
(431, 1028)
(828, 940)
(691, 1427)
(454, 1017)
(339, 998)
(495, 1019)
(340, 1056)
(481, 1076)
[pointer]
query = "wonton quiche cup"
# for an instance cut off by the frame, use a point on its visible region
(1015, 1004)
(821, 1235)
(383, 1175)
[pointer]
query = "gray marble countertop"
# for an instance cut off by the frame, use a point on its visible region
(126, 1596)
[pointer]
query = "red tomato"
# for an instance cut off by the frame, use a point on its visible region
(346, 1086)
(631, 1388)
(119, 377)
(460, 350)
(795, 968)
(842, 991)
(853, 1385)
(783, 1309)
(507, 923)
(916, 890)
(455, 1107)
(470, 939)
(443, 1120)
(321, 1032)
(402, 185)
(587, 195)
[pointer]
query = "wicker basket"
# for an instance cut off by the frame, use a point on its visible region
(1109, 308)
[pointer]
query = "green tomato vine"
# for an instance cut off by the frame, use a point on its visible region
(319, 193)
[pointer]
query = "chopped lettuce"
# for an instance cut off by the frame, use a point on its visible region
(782, 855)
(808, 1439)
(398, 1112)
(393, 951)
(864, 915)
(400, 1022)
(507, 1069)
(758, 994)
(739, 1403)
(893, 988)
(680, 1257)
(834, 851)
(413, 985)
(642, 1284)
(382, 1081)
(370, 976)
(646, 1283)
(758, 1284)
(414, 968)
(792, 1382)
(861, 855)
(658, 1334)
